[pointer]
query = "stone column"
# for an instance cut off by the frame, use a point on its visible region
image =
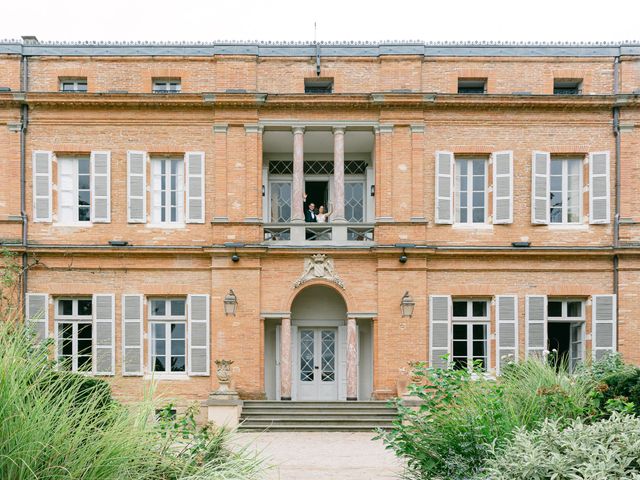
(338, 174)
(285, 359)
(352, 360)
(297, 195)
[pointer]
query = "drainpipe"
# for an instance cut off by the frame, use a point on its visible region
(616, 218)
(24, 120)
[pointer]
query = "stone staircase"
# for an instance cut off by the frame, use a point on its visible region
(260, 415)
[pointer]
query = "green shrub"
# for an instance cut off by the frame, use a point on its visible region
(461, 413)
(61, 425)
(605, 449)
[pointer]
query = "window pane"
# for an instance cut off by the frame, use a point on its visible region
(158, 307)
(84, 363)
(460, 309)
(478, 183)
(84, 182)
(479, 332)
(177, 364)
(159, 347)
(65, 307)
(478, 167)
(460, 363)
(480, 309)
(84, 307)
(460, 349)
(84, 214)
(478, 199)
(478, 215)
(159, 364)
(556, 167)
(554, 308)
(83, 166)
(177, 307)
(460, 332)
(574, 309)
(177, 330)
(177, 347)
(479, 349)
(158, 330)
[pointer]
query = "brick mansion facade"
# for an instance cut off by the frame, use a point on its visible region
(483, 203)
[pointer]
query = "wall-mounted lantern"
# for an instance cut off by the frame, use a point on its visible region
(230, 303)
(406, 305)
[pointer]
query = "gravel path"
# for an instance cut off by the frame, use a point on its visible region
(323, 455)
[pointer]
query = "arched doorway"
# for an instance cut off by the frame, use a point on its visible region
(318, 348)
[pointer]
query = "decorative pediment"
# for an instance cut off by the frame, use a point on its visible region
(319, 266)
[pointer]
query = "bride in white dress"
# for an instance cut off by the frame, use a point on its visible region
(322, 216)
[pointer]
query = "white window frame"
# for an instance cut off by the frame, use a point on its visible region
(167, 85)
(74, 319)
(166, 320)
(156, 192)
(278, 179)
(76, 203)
(457, 191)
(75, 83)
(564, 317)
(352, 178)
(565, 191)
(470, 320)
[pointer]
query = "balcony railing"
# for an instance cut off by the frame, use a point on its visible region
(318, 233)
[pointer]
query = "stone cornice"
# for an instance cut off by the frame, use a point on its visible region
(355, 100)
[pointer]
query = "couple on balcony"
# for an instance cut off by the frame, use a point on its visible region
(310, 214)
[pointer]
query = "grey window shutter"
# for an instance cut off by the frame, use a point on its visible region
(42, 186)
(604, 324)
(101, 187)
(194, 186)
(439, 329)
(136, 187)
(506, 330)
(599, 187)
(198, 310)
(444, 187)
(132, 347)
(104, 334)
(503, 187)
(38, 314)
(540, 170)
(536, 325)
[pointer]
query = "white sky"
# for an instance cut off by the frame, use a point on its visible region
(429, 20)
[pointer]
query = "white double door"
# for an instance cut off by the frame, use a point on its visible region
(317, 363)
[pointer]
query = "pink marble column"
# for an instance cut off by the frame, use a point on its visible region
(338, 175)
(285, 359)
(352, 360)
(297, 195)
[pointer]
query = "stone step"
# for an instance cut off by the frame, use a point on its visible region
(311, 427)
(318, 418)
(318, 412)
(250, 404)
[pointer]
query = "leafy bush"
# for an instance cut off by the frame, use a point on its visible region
(601, 450)
(461, 413)
(59, 425)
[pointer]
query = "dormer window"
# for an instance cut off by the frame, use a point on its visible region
(316, 86)
(567, 86)
(73, 85)
(167, 85)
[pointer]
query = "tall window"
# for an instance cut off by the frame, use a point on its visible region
(167, 322)
(73, 325)
(470, 333)
(74, 189)
(471, 190)
(354, 201)
(565, 190)
(280, 201)
(167, 185)
(73, 85)
(167, 85)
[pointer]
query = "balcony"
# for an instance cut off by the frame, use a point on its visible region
(330, 234)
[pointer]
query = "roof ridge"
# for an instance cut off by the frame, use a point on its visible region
(336, 43)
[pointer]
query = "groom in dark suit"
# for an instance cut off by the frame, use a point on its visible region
(309, 211)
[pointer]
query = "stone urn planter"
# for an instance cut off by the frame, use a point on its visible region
(223, 372)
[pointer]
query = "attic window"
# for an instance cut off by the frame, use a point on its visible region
(73, 84)
(567, 86)
(166, 85)
(472, 85)
(318, 85)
